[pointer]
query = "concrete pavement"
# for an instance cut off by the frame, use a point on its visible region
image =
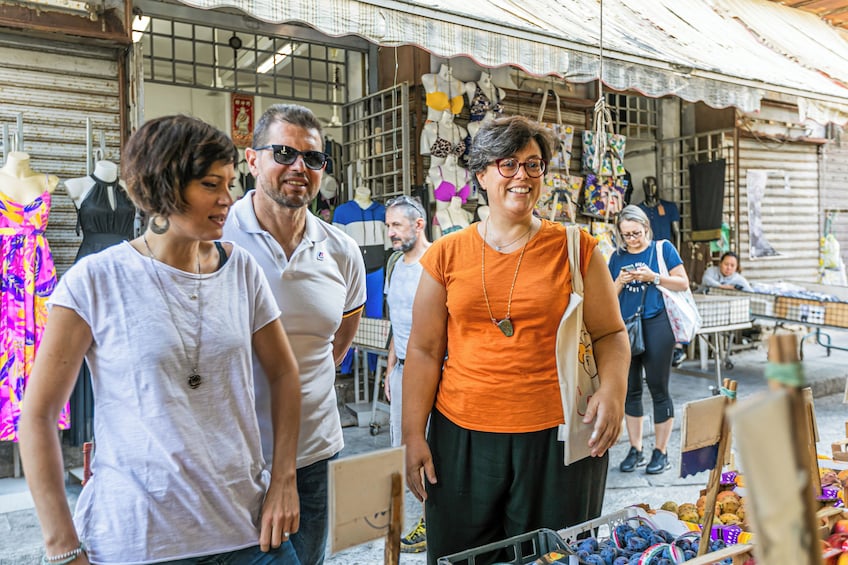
(20, 537)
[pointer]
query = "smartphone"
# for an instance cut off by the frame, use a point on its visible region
(629, 268)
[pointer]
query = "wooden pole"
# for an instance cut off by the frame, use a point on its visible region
(783, 349)
(392, 552)
(715, 474)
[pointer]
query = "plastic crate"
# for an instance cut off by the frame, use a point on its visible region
(602, 527)
(723, 310)
(520, 550)
(373, 333)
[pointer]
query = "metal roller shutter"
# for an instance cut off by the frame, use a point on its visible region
(56, 86)
(834, 194)
(790, 211)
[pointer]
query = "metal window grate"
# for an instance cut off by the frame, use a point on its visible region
(676, 154)
(377, 134)
(215, 58)
(633, 116)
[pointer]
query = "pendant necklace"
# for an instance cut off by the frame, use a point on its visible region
(194, 379)
(505, 325)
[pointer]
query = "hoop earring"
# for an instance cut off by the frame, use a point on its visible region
(159, 229)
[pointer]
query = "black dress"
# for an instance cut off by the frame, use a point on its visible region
(101, 227)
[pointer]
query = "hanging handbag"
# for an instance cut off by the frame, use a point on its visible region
(634, 329)
(563, 136)
(559, 196)
(576, 368)
(603, 196)
(603, 150)
(679, 305)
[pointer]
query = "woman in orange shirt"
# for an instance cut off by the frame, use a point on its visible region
(491, 297)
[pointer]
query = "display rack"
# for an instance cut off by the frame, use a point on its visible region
(372, 336)
(818, 315)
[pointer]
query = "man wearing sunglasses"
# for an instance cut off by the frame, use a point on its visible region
(318, 277)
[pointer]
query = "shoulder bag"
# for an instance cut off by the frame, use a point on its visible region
(679, 305)
(576, 369)
(634, 329)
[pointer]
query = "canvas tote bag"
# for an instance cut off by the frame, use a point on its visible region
(578, 374)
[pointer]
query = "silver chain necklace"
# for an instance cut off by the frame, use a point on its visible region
(194, 379)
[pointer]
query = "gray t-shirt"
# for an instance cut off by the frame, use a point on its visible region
(177, 472)
(400, 294)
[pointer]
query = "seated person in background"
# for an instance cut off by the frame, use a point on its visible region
(725, 275)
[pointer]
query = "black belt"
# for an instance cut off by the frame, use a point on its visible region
(400, 361)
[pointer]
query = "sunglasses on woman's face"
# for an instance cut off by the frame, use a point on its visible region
(285, 155)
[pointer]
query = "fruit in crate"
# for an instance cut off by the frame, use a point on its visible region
(728, 502)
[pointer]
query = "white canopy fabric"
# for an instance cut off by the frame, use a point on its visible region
(695, 49)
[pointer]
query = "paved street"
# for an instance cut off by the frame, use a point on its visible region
(20, 542)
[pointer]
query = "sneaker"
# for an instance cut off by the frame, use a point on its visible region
(678, 357)
(659, 463)
(634, 459)
(416, 540)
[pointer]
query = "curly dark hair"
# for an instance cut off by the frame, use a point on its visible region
(504, 137)
(165, 154)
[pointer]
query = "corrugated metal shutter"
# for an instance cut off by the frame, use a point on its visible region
(790, 214)
(56, 86)
(834, 192)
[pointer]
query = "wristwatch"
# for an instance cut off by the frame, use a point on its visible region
(656, 280)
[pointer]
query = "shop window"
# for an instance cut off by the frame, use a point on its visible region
(187, 54)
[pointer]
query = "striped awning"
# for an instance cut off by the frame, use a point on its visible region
(693, 49)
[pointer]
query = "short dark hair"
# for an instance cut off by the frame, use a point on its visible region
(735, 256)
(504, 137)
(165, 154)
(293, 114)
(411, 206)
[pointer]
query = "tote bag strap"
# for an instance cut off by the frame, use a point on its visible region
(660, 258)
(541, 116)
(573, 235)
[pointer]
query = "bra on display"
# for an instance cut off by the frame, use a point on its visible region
(481, 104)
(440, 102)
(442, 147)
(446, 190)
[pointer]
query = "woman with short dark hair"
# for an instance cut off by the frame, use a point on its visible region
(491, 297)
(167, 324)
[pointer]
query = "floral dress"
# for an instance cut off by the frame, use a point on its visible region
(27, 278)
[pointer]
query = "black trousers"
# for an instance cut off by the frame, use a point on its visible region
(492, 486)
(656, 360)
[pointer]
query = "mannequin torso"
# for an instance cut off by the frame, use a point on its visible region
(444, 93)
(484, 98)
(448, 180)
(442, 138)
(362, 196)
(22, 184)
(452, 217)
(79, 188)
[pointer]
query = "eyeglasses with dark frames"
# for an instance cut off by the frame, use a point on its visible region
(285, 155)
(508, 167)
(632, 235)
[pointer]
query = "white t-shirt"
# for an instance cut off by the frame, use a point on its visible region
(400, 294)
(177, 472)
(324, 279)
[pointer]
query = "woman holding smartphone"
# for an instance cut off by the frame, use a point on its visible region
(635, 269)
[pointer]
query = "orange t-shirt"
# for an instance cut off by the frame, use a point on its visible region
(490, 382)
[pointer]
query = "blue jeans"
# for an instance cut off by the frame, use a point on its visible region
(283, 555)
(311, 538)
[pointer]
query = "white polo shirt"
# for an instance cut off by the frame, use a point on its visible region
(324, 279)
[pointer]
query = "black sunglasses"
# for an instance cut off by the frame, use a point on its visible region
(285, 155)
